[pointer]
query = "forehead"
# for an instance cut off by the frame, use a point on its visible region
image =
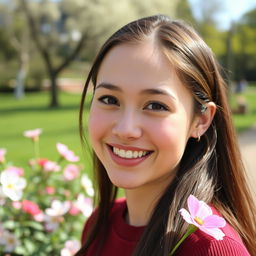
(135, 60)
(139, 66)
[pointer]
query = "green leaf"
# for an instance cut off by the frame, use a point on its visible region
(21, 250)
(10, 224)
(34, 225)
(40, 236)
(30, 246)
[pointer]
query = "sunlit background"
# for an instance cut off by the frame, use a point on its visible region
(46, 48)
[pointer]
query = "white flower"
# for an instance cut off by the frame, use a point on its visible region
(71, 247)
(12, 185)
(84, 204)
(54, 215)
(9, 241)
(52, 222)
(87, 184)
(58, 208)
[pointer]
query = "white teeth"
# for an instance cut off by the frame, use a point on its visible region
(135, 154)
(129, 153)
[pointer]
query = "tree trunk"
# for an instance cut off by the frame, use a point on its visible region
(19, 87)
(21, 75)
(54, 101)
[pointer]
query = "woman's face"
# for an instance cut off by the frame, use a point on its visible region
(141, 116)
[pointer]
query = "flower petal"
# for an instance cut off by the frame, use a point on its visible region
(193, 205)
(14, 195)
(186, 216)
(214, 232)
(56, 204)
(61, 148)
(204, 210)
(21, 183)
(214, 221)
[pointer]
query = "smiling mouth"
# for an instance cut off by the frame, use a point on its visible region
(129, 154)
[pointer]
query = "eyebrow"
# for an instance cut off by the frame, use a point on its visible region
(108, 86)
(151, 91)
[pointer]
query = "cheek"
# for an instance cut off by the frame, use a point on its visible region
(97, 124)
(170, 134)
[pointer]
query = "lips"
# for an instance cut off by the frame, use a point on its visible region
(128, 156)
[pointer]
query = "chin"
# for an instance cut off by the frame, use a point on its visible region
(125, 183)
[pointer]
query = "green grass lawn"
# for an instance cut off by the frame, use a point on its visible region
(243, 122)
(61, 125)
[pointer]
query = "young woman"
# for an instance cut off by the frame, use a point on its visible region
(160, 128)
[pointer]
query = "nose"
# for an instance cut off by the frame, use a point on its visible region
(127, 126)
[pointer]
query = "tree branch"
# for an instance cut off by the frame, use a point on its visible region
(74, 53)
(35, 35)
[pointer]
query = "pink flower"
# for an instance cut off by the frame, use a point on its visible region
(50, 190)
(201, 216)
(39, 217)
(33, 134)
(42, 161)
(17, 205)
(47, 165)
(66, 153)
(30, 207)
(15, 170)
(71, 247)
(84, 204)
(71, 172)
(51, 166)
(2, 155)
(74, 210)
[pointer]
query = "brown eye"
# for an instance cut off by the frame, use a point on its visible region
(108, 100)
(156, 106)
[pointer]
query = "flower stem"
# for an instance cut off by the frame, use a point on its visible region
(60, 160)
(191, 229)
(36, 149)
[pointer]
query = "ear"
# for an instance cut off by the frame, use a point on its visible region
(203, 120)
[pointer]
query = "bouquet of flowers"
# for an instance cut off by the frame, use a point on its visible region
(43, 208)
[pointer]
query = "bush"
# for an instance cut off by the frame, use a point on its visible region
(42, 212)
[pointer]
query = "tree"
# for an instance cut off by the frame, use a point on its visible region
(244, 46)
(46, 23)
(249, 18)
(184, 12)
(61, 29)
(17, 41)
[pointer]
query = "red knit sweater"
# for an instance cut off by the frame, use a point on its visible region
(123, 238)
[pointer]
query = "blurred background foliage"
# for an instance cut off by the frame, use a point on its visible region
(41, 39)
(44, 42)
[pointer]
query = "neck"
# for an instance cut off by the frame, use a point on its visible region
(141, 203)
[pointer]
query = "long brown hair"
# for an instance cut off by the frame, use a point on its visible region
(211, 169)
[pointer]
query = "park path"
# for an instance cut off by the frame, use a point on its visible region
(247, 142)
